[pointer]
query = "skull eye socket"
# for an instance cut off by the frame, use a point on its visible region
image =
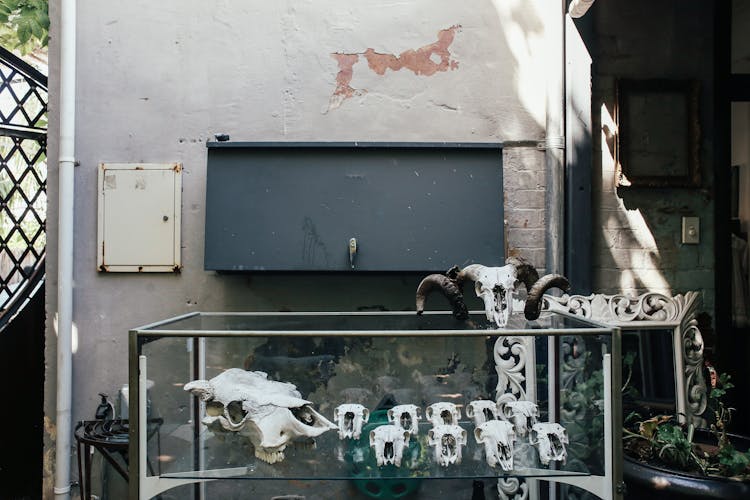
(349, 420)
(304, 415)
(447, 417)
(235, 413)
(214, 409)
(405, 420)
(488, 415)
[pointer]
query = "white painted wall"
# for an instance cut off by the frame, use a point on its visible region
(156, 80)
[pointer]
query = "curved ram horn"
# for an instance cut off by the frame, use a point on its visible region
(469, 272)
(448, 287)
(525, 271)
(534, 298)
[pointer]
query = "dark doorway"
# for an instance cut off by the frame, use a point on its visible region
(22, 369)
(732, 195)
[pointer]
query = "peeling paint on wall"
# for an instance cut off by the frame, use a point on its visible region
(425, 61)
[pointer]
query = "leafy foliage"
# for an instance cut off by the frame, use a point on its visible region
(662, 440)
(24, 24)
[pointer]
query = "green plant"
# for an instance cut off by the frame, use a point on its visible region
(663, 440)
(24, 24)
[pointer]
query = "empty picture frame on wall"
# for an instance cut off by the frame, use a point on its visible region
(658, 133)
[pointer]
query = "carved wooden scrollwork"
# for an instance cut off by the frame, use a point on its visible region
(512, 489)
(515, 365)
(650, 306)
(511, 356)
(695, 382)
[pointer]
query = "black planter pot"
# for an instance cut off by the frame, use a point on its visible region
(645, 482)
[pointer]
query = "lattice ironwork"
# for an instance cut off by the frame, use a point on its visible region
(23, 181)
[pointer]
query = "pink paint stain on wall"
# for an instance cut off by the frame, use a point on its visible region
(424, 61)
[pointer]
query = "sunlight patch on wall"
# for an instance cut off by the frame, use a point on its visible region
(525, 42)
(74, 335)
(630, 258)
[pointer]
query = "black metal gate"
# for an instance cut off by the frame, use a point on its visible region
(23, 213)
(23, 181)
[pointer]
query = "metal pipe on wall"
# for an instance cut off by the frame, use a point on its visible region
(65, 248)
(555, 137)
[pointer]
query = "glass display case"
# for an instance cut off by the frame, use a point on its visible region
(372, 405)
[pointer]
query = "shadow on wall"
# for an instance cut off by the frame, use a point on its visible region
(640, 247)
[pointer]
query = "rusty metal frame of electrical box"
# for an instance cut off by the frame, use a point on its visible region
(139, 217)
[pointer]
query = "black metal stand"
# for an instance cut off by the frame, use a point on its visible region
(110, 438)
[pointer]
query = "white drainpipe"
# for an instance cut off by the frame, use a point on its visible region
(63, 445)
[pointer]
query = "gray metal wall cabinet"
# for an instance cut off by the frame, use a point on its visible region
(297, 206)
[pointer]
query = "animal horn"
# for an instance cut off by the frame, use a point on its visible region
(534, 297)
(469, 272)
(448, 287)
(525, 271)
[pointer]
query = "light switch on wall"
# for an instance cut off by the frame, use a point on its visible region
(691, 230)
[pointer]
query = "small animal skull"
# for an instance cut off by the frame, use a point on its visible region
(482, 411)
(406, 416)
(350, 417)
(523, 414)
(268, 412)
(443, 413)
(447, 441)
(497, 437)
(550, 439)
(389, 442)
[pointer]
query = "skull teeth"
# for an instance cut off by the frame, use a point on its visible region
(269, 456)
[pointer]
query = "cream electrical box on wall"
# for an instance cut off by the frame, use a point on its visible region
(139, 217)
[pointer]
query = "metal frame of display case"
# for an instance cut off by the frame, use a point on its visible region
(608, 486)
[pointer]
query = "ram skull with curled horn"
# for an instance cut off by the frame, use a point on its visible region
(495, 286)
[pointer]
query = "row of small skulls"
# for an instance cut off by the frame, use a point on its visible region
(447, 437)
(350, 417)
(519, 418)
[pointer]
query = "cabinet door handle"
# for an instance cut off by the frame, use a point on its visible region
(352, 250)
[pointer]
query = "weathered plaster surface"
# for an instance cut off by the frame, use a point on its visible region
(425, 61)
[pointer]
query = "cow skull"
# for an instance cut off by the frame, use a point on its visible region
(443, 413)
(482, 411)
(268, 412)
(405, 416)
(389, 442)
(550, 439)
(447, 441)
(350, 417)
(497, 437)
(522, 414)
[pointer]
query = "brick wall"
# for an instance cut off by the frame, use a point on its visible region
(525, 191)
(637, 231)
